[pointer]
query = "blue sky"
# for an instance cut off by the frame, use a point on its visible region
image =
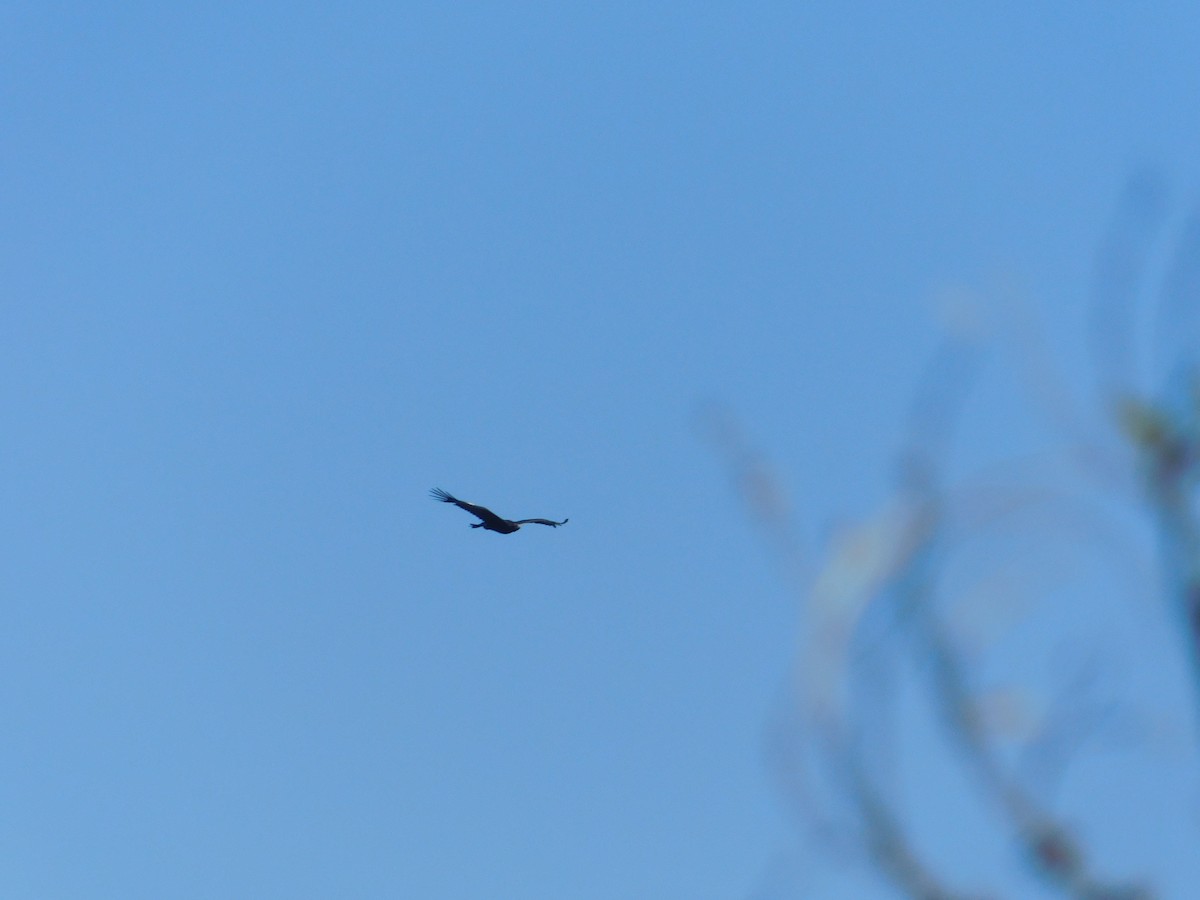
(272, 271)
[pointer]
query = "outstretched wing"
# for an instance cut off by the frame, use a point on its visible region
(481, 511)
(541, 522)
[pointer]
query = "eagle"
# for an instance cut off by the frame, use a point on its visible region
(491, 521)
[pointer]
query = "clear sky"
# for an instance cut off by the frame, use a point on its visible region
(270, 271)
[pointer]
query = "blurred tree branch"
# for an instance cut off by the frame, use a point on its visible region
(890, 566)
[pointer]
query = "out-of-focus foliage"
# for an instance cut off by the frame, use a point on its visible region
(972, 606)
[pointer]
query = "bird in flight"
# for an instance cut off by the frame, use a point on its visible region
(491, 521)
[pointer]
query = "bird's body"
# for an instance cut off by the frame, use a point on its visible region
(489, 520)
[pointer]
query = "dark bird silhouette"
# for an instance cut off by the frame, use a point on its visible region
(491, 521)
